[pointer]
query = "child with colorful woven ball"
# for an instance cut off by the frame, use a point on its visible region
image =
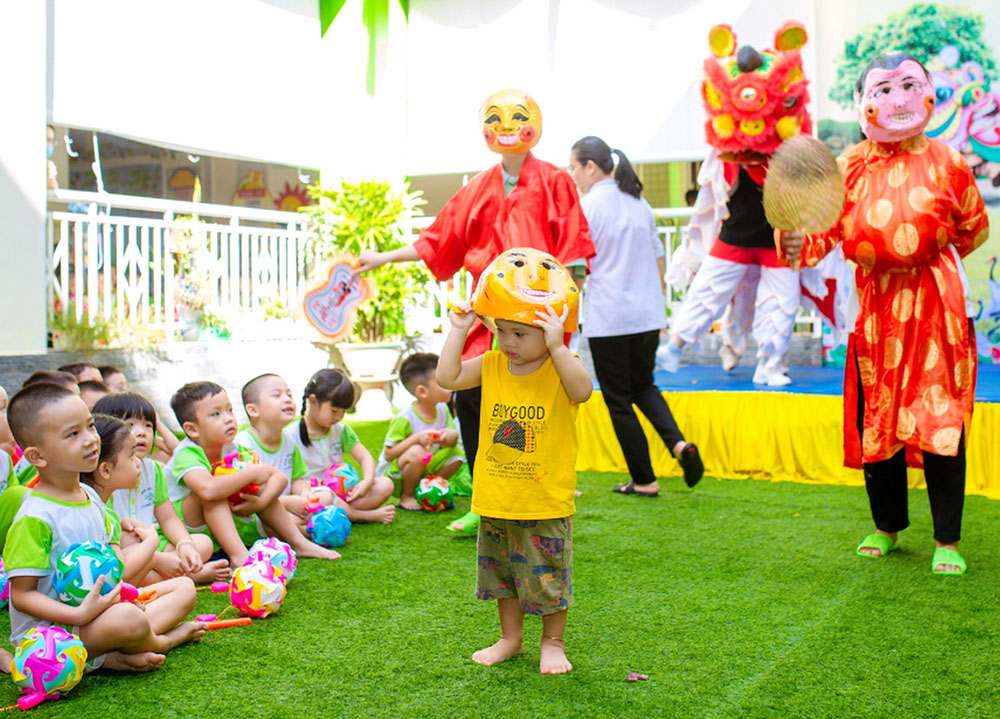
(323, 439)
(422, 439)
(206, 415)
(178, 552)
(269, 405)
(57, 433)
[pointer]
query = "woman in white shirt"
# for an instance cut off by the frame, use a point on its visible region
(624, 309)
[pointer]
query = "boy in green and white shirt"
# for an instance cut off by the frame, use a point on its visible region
(206, 415)
(56, 430)
(268, 403)
(426, 426)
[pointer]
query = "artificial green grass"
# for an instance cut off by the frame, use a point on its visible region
(738, 599)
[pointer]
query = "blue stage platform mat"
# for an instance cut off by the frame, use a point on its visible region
(805, 380)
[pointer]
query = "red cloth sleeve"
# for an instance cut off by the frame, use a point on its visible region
(456, 230)
(972, 226)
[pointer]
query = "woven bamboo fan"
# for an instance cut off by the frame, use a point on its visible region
(803, 190)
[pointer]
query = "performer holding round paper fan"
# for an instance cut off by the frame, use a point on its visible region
(755, 101)
(912, 211)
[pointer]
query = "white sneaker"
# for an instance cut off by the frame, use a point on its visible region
(772, 378)
(729, 357)
(668, 357)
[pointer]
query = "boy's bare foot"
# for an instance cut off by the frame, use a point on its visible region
(143, 662)
(217, 571)
(504, 649)
(409, 504)
(553, 656)
(383, 515)
(310, 550)
(5, 659)
(183, 633)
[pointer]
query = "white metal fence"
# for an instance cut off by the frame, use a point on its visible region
(131, 259)
(140, 261)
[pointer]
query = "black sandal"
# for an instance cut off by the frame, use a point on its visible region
(692, 465)
(629, 488)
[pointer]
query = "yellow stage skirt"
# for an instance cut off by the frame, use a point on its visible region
(780, 436)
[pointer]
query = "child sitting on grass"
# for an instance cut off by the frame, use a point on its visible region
(57, 433)
(268, 403)
(425, 425)
(525, 468)
(164, 441)
(177, 552)
(113, 377)
(205, 413)
(92, 392)
(323, 439)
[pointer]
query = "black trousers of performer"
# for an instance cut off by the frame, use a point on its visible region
(624, 367)
(887, 490)
(467, 403)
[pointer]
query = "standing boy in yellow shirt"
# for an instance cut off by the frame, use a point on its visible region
(525, 467)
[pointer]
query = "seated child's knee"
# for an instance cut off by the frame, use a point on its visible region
(131, 622)
(414, 455)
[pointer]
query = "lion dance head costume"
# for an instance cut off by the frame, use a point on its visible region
(755, 99)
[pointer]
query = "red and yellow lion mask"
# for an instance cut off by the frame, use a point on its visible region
(755, 100)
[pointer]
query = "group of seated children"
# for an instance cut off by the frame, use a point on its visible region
(82, 459)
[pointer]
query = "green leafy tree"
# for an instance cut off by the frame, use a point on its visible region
(921, 30)
(368, 215)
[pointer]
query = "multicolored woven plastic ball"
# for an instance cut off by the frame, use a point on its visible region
(329, 527)
(4, 587)
(433, 494)
(341, 479)
(78, 568)
(47, 664)
(256, 589)
(273, 550)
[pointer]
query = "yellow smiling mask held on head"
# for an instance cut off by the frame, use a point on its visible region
(520, 282)
(512, 122)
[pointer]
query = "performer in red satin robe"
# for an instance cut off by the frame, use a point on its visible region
(912, 212)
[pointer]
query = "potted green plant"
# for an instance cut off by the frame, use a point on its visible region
(70, 333)
(369, 215)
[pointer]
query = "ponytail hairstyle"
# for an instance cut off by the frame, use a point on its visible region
(329, 385)
(594, 149)
(113, 432)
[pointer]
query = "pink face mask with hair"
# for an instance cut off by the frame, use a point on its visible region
(895, 104)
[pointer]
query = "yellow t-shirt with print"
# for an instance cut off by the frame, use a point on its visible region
(526, 465)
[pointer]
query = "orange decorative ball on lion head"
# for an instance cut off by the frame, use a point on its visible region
(520, 282)
(755, 100)
(512, 122)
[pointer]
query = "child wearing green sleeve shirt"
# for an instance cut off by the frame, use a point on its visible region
(59, 438)
(205, 413)
(268, 403)
(425, 427)
(323, 440)
(178, 552)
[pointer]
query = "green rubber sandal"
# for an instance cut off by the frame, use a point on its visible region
(947, 556)
(880, 542)
(465, 526)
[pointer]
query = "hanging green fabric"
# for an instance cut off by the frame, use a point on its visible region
(375, 16)
(328, 10)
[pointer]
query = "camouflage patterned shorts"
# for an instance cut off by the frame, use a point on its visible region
(531, 559)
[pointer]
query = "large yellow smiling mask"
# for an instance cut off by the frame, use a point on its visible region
(512, 122)
(521, 281)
